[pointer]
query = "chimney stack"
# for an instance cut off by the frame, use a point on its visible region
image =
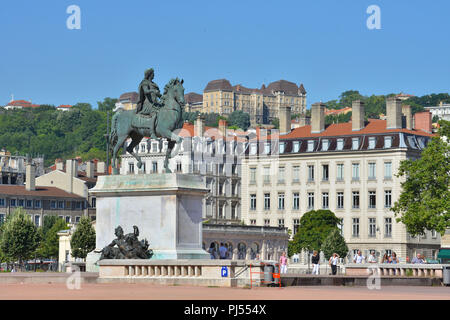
(285, 119)
(317, 117)
(72, 167)
(89, 169)
(357, 115)
(199, 126)
(30, 183)
(393, 113)
(423, 121)
(101, 167)
(406, 110)
(223, 127)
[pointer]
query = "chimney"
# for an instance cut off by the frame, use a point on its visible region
(406, 111)
(317, 117)
(72, 167)
(393, 113)
(223, 127)
(422, 121)
(199, 126)
(357, 115)
(89, 169)
(30, 183)
(285, 119)
(101, 167)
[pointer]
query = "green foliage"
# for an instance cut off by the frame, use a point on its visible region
(276, 123)
(54, 133)
(108, 104)
(19, 237)
(314, 228)
(340, 118)
(424, 203)
(239, 119)
(49, 245)
(334, 243)
(83, 238)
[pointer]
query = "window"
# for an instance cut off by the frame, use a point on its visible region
(94, 202)
(341, 226)
(179, 167)
(387, 198)
(2, 202)
(280, 223)
(266, 201)
(266, 174)
(253, 222)
(433, 234)
(130, 167)
(372, 200)
(325, 172)
(340, 144)
(355, 171)
(372, 227)
(266, 222)
(296, 146)
(310, 146)
(253, 175)
(67, 219)
(78, 205)
(281, 201)
(355, 227)
(388, 227)
(355, 143)
(296, 201)
(281, 147)
(325, 145)
(37, 220)
(372, 142)
(340, 171)
(281, 175)
(325, 200)
(296, 225)
(29, 203)
(388, 170)
(21, 203)
(372, 170)
(340, 200)
(154, 167)
(267, 148)
(355, 196)
(310, 200)
(253, 148)
(387, 142)
(296, 174)
(60, 204)
(53, 204)
(37, 204)
(311, 173)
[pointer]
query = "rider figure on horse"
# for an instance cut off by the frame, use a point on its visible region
(148, 104)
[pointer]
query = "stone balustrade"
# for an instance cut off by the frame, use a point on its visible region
(395, 270)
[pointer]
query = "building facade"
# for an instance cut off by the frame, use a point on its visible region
(442, 111)
(12, 167)
(263, 104)
(348, 168)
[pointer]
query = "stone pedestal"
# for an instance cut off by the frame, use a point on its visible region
(167, 208)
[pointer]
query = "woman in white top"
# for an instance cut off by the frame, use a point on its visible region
(334, 259)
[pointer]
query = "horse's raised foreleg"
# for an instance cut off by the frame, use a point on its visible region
(119, 143)
(135, 140)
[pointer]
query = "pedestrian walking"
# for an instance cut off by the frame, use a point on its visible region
(315, 260)
(283, 263)
(222, 251)
(334, 259)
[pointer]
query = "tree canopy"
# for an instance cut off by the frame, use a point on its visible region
(49, 245)
(239, 119)
(424, 203)
(334, 243)
(83, 238)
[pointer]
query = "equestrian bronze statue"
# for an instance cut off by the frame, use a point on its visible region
(155, 116)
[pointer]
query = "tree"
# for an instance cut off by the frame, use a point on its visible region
(240, 119)
(49, 245)
(108, 104)
(334, 243)
(314, 228)
(19, 237)
(83, 239)
(424, 203)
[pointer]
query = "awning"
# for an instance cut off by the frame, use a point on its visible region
(444, 254)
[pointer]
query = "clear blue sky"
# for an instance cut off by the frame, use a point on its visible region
(323, 44)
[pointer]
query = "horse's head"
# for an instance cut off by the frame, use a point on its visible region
(175, 90)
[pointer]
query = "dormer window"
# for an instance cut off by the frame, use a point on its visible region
(253, 148)
(296, 147)
(355, 143)
(325, 144)
(372, 142)
(387, 142)
(267, 148)
(281, 147)
(310, 145)
(340, 144)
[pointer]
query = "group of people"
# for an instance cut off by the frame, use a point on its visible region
(372, 258)
(333, 262)
(223, 252)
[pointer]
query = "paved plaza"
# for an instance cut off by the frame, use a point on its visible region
(90, 291)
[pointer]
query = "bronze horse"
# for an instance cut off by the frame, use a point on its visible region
(168, 119)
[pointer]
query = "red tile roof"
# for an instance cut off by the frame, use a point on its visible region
(53, 192)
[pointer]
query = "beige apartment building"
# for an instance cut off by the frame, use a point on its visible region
(262, 104)
(348, 168)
